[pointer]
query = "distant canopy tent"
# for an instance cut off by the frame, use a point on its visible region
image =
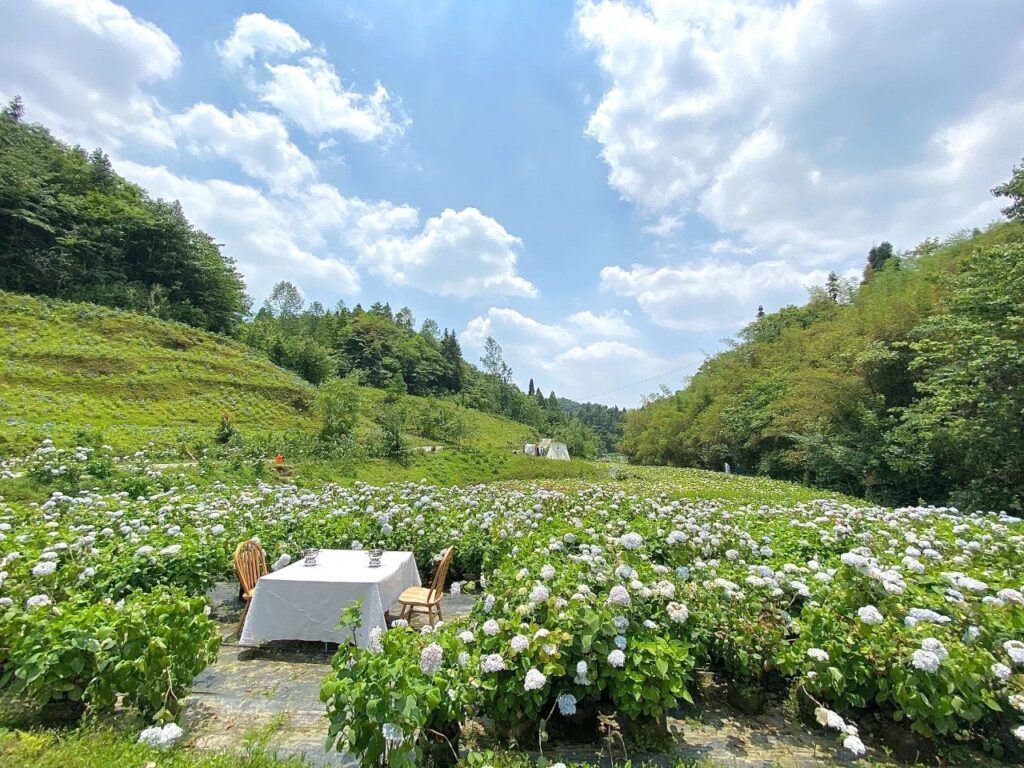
(552, 449)
(530, 449)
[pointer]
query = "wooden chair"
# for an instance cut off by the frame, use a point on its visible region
(250, 564)
(427, 599)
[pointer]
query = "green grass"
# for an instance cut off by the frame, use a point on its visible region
(104, 747)
(70, 366)
(141, 381)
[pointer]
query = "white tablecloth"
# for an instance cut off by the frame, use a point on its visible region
(303, 602)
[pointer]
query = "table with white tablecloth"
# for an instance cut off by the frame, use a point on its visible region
(302, 602)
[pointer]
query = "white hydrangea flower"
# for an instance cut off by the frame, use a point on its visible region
(854, 744)
(431, 659)
(581, 674)
(491, 627)
(817, 654)
(870, 615)
(535, 679)
(161, 737)
(926, 661)
(492, 663)
(619, 595)
(44, 568)
(617, 658)
(374, 642)
(631, 541)
(1015, 650)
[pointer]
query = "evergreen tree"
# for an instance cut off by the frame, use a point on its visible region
(760, 311)
(15, 110)
(531, 390)
(452, 354)
(833, 286)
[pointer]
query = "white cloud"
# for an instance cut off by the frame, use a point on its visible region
(458, 253)
(258, 142)
(311, 95)
(601, 352)
(710, 295)
(81, 67)
(516, 328)
(813, 128)
(556, 357)
(308, 91)
(270, 238)
(256, 33)
(609, 324)
(317, 237)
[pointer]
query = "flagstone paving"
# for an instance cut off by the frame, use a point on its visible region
(270, 698)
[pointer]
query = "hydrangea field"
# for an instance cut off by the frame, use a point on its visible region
(603, 596)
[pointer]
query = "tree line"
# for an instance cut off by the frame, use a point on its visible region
(906, 387)
(379, 347)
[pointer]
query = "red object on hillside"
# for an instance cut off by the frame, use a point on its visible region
(279, 459)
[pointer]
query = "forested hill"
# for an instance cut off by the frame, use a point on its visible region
(72, 228)
(606, 421)
(907, 386)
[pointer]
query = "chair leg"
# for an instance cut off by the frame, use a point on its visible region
(241, 620)
(439, 616)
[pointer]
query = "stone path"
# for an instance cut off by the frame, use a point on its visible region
(270, 698)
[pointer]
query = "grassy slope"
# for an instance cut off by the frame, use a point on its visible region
(69, 366)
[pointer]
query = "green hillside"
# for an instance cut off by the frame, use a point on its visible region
(68, 367)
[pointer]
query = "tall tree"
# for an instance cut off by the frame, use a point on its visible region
(833, 286)
(531, 390)
(452, 354)
(285, 300)
(493, 361)
(877, 257)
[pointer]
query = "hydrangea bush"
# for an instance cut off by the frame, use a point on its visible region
(587, 595)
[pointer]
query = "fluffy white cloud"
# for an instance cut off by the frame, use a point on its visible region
(317, 236)
(256, 33)
(610, 323)
(556, 356)
(258, 142)
(812, 128)
(308, 91)
(458, 253)
(81, 67)
(271, 238)
(712, 294)
(516, 328)
(311, 95)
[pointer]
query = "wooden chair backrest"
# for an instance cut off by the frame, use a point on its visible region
(250, 564)
(437, 585)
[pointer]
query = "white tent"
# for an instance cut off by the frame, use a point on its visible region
(552, 449)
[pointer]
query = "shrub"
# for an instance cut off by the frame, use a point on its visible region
(147, 647)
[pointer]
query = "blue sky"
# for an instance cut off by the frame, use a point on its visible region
(608, 188)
